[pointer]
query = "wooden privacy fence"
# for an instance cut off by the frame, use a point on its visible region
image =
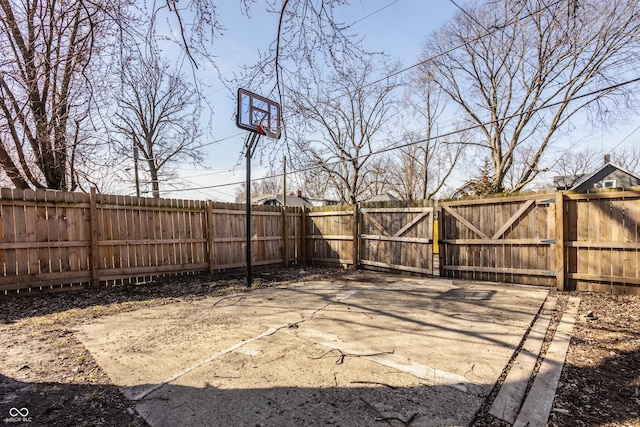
(571, 241)
(600, 241)
(53, 240)
(389, 238)
(331, 236)
(503, 240)
(399, 238)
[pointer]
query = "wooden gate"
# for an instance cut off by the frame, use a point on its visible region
(509, 239)
(397, 239)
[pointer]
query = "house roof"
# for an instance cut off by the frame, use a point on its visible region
(292, 200)
(586, 177)
(567, 181)
(385, 197)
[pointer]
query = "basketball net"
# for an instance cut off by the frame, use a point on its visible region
(268, 132)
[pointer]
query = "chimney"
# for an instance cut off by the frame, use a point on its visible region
(607, 159)
(299, 192)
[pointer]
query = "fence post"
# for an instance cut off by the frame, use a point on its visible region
(285, 237)
(210, 254)
(560, 237)
(356, 236)
(303, 235)
(93, 223)
(436, 265)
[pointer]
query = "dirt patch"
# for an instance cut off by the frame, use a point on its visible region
(600, 382)
(47, 370)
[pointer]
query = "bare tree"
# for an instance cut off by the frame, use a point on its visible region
(341, 117)
(405, 173)
(48, 86)
(308, 33)
(312, 182)
(426, 160)
(193, 25)
(157, 117)
(628, 157)
(309, 37)
(269, 184)
(47, 49)
(55, 61)
(376, 178)
(422, 167)
(521, 70)
(578, 163)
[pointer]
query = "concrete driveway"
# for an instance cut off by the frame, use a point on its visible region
(365, 349)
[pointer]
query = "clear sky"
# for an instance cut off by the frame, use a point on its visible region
(396, 27)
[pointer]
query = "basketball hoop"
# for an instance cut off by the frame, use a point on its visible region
(272, 132)
(259, 114)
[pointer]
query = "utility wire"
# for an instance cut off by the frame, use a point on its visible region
(625, 138)
(372, 13)
(488, 33)
(452, 49)
(443, 135)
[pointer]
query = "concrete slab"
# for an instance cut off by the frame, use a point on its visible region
(362, 348)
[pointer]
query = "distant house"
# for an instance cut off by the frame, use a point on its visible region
(292, 200)
(608, 175)
(315, 201)
(384, 197)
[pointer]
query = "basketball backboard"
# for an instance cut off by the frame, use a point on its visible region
(258, 114)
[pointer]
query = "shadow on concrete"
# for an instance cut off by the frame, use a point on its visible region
(75, 405)
(463, 294)
(185, 287)
(615, 399)
(460, 303)
(614, 402)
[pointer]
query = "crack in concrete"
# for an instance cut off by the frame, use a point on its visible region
(268, 332)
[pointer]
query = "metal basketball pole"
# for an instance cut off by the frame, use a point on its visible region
(250, 145)
(260, 116)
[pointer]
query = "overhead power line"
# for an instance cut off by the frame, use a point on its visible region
(625, 138)
(488, 33)
(373, 13)
(443, 135)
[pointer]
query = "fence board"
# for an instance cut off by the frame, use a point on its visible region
(30, 215)
(617, 233)
(520, 248)
(51, 240)
(631, 228)
(397, 238)
(330, 234)
(21, 254)
(604, 218)
(8, 234)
